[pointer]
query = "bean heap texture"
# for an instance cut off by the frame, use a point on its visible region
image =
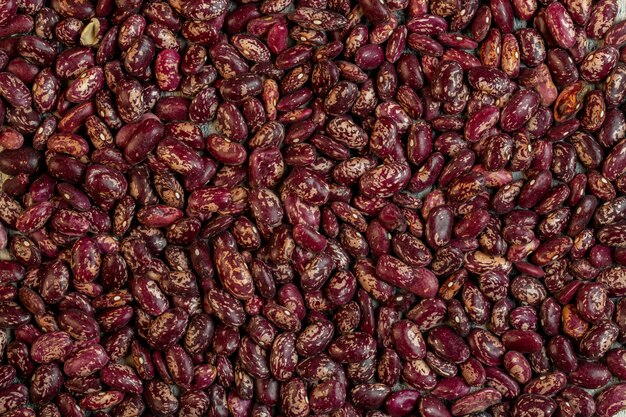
(339, 208)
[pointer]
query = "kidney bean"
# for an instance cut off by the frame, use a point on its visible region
(532, 47)
(526, 341)
(427, 313)
(440, 366)
(448, 344)
(327, 397)
(547, 384)
(517, 366)
(397, 273)
(598, 340)
(597, 65)
(485, 346)
(590, 375)
(601, 18)
(498, 379)
(512, 118)
(608, 401)
(476, 401)
(490, 50)
(561, 26)
(539, 404)
(451, 388)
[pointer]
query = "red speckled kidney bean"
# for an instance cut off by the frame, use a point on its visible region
(601, 18)
(561, 25)
(476, 401)
(598, 64)
(519, 110)
(609, 401)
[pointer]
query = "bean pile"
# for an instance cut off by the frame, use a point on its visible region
(340, 208)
